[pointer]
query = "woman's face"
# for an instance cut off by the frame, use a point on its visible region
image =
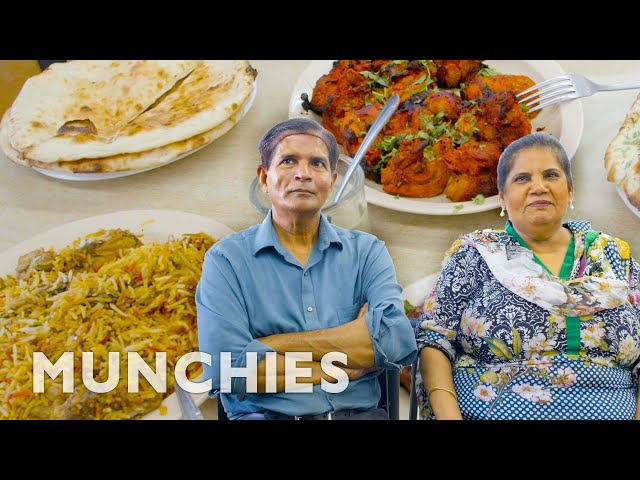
(536, 190)
(299, 179)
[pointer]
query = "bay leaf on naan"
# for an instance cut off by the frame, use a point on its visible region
(209, 95)
(98, 96)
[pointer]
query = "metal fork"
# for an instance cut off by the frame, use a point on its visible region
(565, 87)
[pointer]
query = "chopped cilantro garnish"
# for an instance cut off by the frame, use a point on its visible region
(478, 199)
(408, 307)
(379, 97)
(487, 72)
(376, 78)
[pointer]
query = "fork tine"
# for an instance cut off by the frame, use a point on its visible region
(562, 92)
(543, 84)
(550, 102)
(556, 86)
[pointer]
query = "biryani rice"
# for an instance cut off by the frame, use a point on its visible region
(99, 299)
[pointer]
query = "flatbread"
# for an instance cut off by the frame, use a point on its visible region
(9, 151)
(131, 161)
(622, 158)
(208, 96)
(106, 95)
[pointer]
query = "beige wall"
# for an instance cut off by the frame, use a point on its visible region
(13, 74)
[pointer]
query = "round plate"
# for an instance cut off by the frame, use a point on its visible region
(623, 196)
(154, 225)
(564, 121)
(417, 292)
(109, 175)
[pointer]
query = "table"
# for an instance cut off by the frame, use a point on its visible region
(214, 181)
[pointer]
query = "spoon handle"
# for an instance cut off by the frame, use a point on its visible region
(380, 121)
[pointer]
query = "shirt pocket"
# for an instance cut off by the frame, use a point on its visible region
(347, 314)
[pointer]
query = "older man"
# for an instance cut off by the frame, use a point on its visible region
(296, 283)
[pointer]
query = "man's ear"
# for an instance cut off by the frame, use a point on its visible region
(261, 172)
(334, 177)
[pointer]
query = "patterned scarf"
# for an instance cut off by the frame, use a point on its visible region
(596, 288)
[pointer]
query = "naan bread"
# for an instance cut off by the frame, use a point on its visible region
(101, 96)
(131, 161)
(208, 96)
(622, 159)
(8, 150)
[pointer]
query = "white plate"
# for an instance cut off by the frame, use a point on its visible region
(109, 175)
(564, 121)
(417, 292)
(623, 196)
(155, 225)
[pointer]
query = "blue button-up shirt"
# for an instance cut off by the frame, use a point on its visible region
(252, 287)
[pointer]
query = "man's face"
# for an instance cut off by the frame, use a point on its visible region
(299, 179)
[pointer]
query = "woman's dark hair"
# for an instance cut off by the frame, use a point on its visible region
(539, 139)
(297, 126)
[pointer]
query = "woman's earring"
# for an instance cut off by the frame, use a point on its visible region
(502, 212)
(571, 205)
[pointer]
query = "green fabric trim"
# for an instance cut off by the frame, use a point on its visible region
(572, 323)
(567, 263)
(573, 335)
(589, 238)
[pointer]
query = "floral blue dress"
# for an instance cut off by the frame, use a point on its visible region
(525, 344)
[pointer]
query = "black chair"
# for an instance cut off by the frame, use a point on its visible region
(389, 395)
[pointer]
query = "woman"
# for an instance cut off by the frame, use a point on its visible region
(537, 321)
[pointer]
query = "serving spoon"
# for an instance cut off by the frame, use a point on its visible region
(380, 121)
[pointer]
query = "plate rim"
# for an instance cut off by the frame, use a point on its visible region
(88, 177)
(144, 217)
(416, 292)
(626, 201)
(571, 115)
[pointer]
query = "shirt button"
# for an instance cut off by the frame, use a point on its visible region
(309, 309)
(305, 273)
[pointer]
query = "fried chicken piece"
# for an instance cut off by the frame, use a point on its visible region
(504, 112)
(481, 86)
(473, 157)
(496, 117)
(453, 72)
(443, 101)
(411, 78)
(463, 187)
(356, 124)
(411, 174)
(329, 86)
(341, 90)
(473, 124)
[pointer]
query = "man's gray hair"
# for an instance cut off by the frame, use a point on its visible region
(297, 126)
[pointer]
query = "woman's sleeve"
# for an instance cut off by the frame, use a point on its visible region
(634, 298)
(439, 320)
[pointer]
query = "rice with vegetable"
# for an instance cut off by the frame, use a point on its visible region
(106, 292)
